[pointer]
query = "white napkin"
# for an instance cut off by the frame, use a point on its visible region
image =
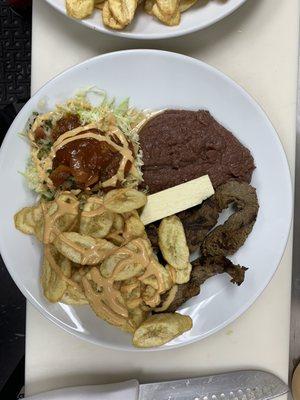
(128, 390)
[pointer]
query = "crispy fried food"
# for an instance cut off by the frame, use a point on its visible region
(47, 219)
(135, 259)
(124, 200)
(164, 275)
(180, 275)
(186, 4)
(160, 329)
(125, 263)
(168, 11)
(82, 249)
(117, 14)
(109, 20)
(116, 304)
(96, 289)
(123, 10)
(134, 228)
(79, 9)
(131, 292)
(39, 218)
(150, 296)
(59, 215)
(226, 239)
(148, 5)
(115, 238)
(168, 7)
(172, 242)
(137, 316)
(74, 296)
(99, 4)
(167, 19)
(151, 281)
(141, 278)
(127, 281)
(95, 220)
(168, 299)
(53, 282)
(118, 224)
(26, 219)
(204, 269)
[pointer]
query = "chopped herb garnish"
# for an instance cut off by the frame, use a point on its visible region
(48, 123)
(49, 195)
(45, 148)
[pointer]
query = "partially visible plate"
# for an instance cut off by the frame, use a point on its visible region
(172, 81)
(202, 15)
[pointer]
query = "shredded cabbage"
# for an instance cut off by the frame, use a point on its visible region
(32, 177)
(93, 106)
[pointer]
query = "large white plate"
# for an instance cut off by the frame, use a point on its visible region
(202, 15)
(172, 81)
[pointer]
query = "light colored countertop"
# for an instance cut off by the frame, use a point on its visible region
(257, 47)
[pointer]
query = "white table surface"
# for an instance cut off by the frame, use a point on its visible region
(257, 47)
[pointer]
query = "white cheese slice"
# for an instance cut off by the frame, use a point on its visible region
(176, 199)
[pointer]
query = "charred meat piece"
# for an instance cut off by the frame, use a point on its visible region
(181, 145)
(152, 233)
(204, 269)
(198, 221)
(226, 239)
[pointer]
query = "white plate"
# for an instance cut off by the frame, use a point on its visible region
(172, 81)
(202, 15)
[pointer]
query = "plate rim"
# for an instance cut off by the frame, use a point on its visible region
(143, 36)
(252, 299)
